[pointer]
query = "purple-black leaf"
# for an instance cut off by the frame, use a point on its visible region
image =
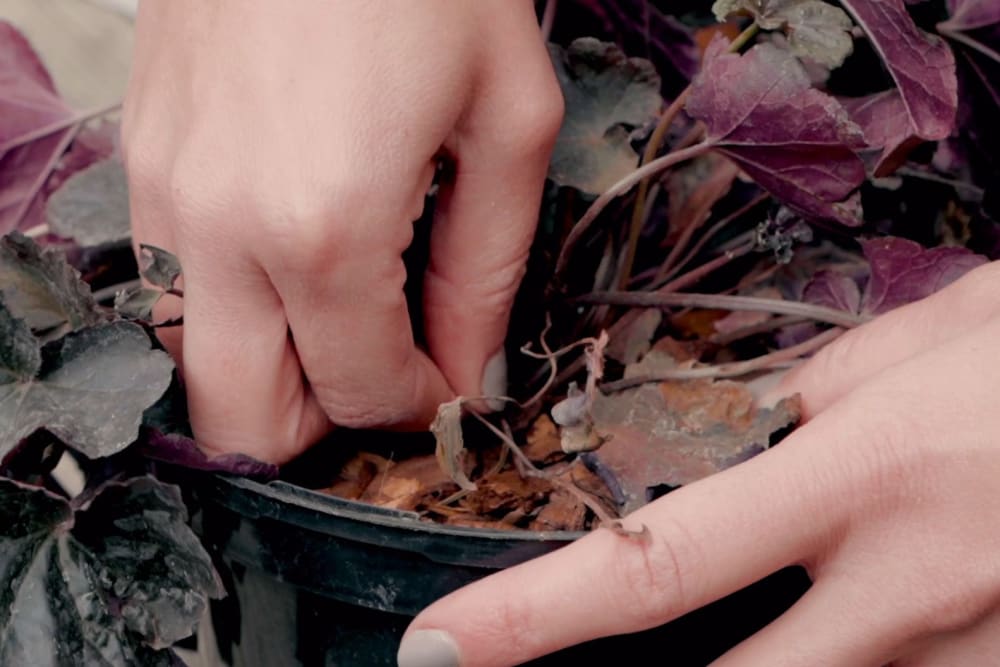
(66, 603)
(816, 29)
(606, 94)
(91, 207)
(155, 567)
(20, 357)
(158, 266)
(921, 64)
(40, 287)
(90, 392)
(903, 271)
(180, 450)
(794, 140)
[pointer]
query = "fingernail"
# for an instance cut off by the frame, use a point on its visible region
(495, 380)
(427, 648)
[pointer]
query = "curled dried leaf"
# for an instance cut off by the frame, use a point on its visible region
(450, 445)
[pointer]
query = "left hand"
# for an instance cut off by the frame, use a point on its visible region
(889, 495)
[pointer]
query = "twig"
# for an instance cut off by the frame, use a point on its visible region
(910, 172)
(549, 18)
(652, 148)
(667, 271)
(638, 211)
(734, 369)
(694, 275)
(769, 324)
(529, 469)
(58, 126)
(110, 291)
(43, 175)
(620, 188)
(727, 302)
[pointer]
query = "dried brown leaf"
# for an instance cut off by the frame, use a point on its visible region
(450, 449)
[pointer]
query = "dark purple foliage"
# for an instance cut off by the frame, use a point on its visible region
(795, 141)
(181, 450)
(28, 101)
(921, 64)
(900, 272)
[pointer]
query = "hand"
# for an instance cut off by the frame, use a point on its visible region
(282, 151)
(888, 495)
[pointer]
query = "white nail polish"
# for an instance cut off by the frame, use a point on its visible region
(495, 380)
(427, 648)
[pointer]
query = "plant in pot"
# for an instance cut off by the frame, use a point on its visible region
(767, 176)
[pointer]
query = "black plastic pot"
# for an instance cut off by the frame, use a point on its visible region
(315, 580)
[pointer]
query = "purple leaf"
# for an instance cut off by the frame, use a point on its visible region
(28, 102)
(794, 140)
(181, 450)
(921, 64)
(885, 122)
(971, 14)
(111, 583)
(903, 271)
(833, 289)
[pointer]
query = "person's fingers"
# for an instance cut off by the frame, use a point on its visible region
(978, 645)
(892, 338)
(243, 379)
(348, 314)
(705, 541)
(488, 210)
(845, 620)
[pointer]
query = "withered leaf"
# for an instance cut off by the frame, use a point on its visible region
(816, 30)
(676, 433)
(606, 95)
(450, 448)
(158, 266)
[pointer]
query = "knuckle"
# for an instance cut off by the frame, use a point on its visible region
(979, 289)
(654, 573)
(536, 119)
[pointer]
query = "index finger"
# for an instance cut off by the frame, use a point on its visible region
(704, 541)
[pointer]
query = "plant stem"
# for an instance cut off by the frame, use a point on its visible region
(619, 188)
(44, 174)
(58, 126)
(734, 369)
(667, 271)
(652, 148)
(725, 302)
(769, 324)
(694, 275)
(110, 291)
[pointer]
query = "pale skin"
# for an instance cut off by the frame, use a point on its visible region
(283, 154)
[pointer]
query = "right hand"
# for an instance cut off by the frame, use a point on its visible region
(282, 151)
